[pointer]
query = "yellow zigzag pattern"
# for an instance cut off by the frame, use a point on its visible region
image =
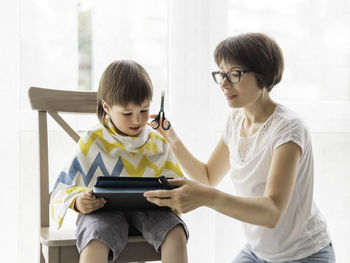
(144, 163)
(52, 210)
(150, 145)
(68, 191)
(77, 188)
(85, 147)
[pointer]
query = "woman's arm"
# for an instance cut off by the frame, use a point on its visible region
(265, 210)
(209, 173)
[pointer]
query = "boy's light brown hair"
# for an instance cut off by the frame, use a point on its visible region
(123, 82)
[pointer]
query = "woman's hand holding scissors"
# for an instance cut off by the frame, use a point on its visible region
(160, 120)
(169, 134)
(161, 124)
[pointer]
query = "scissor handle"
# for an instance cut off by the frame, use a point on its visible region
(156, 120)
(163, 120)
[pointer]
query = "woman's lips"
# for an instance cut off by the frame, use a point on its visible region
(229, 97)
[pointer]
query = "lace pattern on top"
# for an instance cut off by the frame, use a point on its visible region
(249, 146)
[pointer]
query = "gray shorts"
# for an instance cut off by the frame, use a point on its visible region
(112, 228)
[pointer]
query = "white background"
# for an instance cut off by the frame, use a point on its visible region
(174, 41)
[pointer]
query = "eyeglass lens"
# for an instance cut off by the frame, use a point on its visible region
(233, 76)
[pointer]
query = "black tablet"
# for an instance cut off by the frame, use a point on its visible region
(126, 193)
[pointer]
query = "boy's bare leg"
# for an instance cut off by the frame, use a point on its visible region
(174, 247)
(95, 252)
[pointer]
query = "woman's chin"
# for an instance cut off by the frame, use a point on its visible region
(234, 104)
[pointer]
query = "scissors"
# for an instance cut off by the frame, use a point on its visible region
(161, 116)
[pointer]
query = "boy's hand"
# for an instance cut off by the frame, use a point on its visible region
(87, 203)
(169, 135)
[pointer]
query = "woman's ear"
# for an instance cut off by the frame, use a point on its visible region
(105, 107)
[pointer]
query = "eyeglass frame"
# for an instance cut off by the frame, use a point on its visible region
(224, 75)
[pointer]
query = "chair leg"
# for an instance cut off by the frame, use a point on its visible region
(53, 255)
(41, 256)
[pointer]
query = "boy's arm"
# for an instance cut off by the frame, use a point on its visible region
(71, 182)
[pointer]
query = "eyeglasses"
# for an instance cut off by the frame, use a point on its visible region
(233, 76)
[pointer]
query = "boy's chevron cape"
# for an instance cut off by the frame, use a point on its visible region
(103, 152)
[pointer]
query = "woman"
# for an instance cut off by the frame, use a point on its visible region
(267, 149)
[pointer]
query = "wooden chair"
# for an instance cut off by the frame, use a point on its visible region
(58, 246)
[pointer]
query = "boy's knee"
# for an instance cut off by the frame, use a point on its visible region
(174, 246)
(177, 232)
(94, 251)
(97, 244)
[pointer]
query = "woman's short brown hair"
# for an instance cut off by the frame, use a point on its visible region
(123, 82)
(256, 52)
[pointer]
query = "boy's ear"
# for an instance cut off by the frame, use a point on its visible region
(105, 107)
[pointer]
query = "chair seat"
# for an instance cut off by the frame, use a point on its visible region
(51, 237)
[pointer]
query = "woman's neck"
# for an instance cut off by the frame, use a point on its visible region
(260, 110)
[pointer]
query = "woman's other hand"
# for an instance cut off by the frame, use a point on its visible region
(188, 196)
(87, 203)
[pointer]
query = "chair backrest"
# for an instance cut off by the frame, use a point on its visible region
(50, 101)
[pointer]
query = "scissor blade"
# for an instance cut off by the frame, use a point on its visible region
(162, 101)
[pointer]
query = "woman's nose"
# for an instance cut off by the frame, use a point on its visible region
(226, 84)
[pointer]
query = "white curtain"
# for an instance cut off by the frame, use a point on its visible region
(38, 48)
(9, 116)
(195, 27)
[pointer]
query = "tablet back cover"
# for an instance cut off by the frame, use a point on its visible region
(126, 193)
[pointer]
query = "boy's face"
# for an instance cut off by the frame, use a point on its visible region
(129, 120)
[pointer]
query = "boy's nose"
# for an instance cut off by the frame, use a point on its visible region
(137, 119)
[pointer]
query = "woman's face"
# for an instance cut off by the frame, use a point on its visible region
(129, 120)
(241, 94)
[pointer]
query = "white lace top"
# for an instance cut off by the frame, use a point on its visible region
(301, 231)
(248, 146)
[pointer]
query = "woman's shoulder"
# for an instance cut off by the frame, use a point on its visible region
(286, 116)
(288, 123)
